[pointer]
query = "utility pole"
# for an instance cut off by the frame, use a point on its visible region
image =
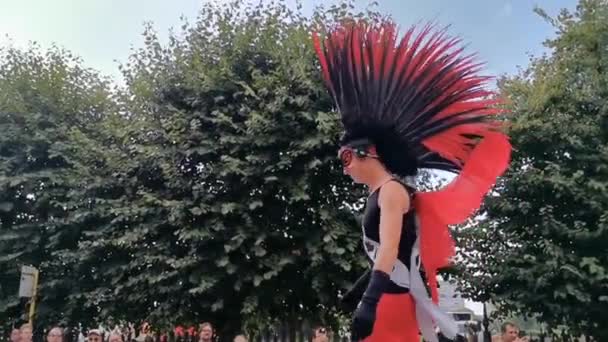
(28, 288)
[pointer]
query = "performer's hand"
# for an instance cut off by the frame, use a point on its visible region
(363, 321)
(365, 315)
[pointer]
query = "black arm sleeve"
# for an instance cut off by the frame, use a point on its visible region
(351, 299)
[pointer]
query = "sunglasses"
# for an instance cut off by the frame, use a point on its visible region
(322, 331)
(346, 154)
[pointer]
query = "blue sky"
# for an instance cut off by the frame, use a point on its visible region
(504, 32)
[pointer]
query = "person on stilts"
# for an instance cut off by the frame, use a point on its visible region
(417, 103)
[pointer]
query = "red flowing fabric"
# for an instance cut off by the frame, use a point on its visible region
(457, 201)
(395, 320)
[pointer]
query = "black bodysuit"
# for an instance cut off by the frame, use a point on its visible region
(371, 238)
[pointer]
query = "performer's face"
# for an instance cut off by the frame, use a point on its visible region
(354, 164)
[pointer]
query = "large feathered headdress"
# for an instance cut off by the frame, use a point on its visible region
(420, 101)
(423, 105)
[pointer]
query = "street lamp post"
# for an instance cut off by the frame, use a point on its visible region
(487, 337)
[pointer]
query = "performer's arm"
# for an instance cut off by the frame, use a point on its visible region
(394, 202)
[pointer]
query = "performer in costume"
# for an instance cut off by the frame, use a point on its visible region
(415, 104)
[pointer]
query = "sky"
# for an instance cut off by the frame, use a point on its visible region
(103, 32)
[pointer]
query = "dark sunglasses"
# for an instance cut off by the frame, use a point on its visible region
(346, 155)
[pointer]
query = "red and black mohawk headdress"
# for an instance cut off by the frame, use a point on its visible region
(423, 105)
(419, 97)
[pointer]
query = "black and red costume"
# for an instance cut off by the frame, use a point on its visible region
(422, 104)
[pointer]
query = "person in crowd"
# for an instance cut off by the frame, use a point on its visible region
(319, 334)
(240, 338)
(509, 332)
(55, 335)
(26, 332)
(94, 335)
(115, 337)
(15, 335)
(206, 332)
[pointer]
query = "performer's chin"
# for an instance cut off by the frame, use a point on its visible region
(355, 177)
(358, 181)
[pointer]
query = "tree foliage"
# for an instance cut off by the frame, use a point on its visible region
(207, 189)
(47, 98)
(543, 249)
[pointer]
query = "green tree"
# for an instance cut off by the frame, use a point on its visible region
(45, 99)
(243, 199)
(209, 189)
(543, 248)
